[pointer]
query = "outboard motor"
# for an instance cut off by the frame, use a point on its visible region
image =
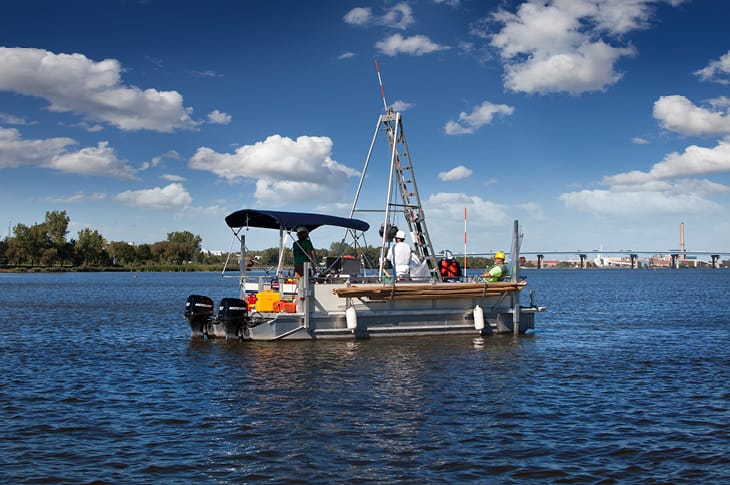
(233, 314)
(198, 311)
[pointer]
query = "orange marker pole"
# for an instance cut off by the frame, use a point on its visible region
(380, 80)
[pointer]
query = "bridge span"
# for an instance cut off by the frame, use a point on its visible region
(630, 258)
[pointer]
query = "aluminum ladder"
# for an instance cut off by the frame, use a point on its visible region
(402, 175)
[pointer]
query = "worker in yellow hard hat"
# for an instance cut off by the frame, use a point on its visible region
(498, 271)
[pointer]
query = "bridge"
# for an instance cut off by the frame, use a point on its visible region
(676, 257)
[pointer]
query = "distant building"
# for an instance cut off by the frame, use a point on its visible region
(660, 261)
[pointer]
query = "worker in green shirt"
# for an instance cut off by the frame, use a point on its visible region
(303, 251)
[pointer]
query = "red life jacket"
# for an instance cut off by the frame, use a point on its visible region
(449, 269)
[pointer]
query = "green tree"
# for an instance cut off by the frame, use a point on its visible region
(49, 256)
(269, 257)
(184, 237)
(158, 251)
(143, 253)
(338, 248)
(90, 247)
(13, 252)
(370, 254)
(56, 225)
(183, 246)
(178, 253)
(30, 242)
(122, 253)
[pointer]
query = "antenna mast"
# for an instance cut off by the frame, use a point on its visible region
(380, 80)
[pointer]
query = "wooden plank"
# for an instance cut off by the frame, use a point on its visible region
(429, 291)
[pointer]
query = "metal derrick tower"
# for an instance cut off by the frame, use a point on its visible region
(403, 197)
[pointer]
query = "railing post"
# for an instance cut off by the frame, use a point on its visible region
(516, 277)
(306, 288)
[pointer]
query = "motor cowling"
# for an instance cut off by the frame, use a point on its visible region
(199, 312)
(198, 306)
(232, 310)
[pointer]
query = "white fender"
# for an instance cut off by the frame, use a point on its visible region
(478, 318)
(351, 317)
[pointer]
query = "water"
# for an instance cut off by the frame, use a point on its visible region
(625, 379)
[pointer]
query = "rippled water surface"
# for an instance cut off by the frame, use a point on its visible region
(625, 378)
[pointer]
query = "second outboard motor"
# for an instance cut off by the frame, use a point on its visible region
(198, 311)
(233, 314)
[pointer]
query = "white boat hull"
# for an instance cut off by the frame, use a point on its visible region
(322, 314)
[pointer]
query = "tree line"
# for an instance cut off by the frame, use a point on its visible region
(46, 245)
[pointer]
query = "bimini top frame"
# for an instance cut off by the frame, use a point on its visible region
(285, 222)
(288, 221)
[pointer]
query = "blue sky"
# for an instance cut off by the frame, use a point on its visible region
(594, 123)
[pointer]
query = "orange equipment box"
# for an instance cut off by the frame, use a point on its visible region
(265, 300)
(283, 306)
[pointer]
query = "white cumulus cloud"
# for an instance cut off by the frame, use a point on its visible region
(482, 114)
(359, 16)
(639, 204)
(77, 197)
(171, 197)
(99, 161)
(486, 220)
(56, 153)
(219, 118)
(295, 169)
(716, 71)
(679, 114)
(565, 45)
(456, 173)
(416, 45)
(173, 178)
(671, 187)
(399, 16)
(694, 161)
(94, 90)
(9, 119)
(400, 106)
(15, 151)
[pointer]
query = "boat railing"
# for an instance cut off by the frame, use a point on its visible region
(288, 285)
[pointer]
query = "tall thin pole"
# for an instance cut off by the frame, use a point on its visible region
(380, 80)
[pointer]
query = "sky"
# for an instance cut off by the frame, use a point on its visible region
(598, 124)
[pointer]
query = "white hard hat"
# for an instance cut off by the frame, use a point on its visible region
(400, 235)
(301, 229)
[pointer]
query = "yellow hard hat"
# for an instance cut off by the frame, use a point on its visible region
(499, 254)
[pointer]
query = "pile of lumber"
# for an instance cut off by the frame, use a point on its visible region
(411, 291)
